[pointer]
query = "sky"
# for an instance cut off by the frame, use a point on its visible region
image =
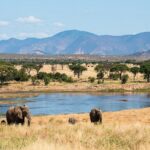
(43, 18)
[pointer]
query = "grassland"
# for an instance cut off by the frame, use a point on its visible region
(123, 130)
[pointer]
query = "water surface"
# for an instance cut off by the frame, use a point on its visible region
(64, 103)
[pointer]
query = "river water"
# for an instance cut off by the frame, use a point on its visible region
(64, 103)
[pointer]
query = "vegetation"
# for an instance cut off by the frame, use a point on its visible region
(56, 134)
(77, 69)
(6, 73)
(135, 70)
(91, 79)
(21, 75)
(145, 69)
(124, 79)
(100, 72)
(114, 76)
(119, 69)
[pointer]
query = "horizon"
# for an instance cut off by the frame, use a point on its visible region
(40, 19)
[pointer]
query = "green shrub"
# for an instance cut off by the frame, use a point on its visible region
(114, 76)
(21, 75)
(41, 75)
(35, 80)
(46, 80)
(91, 79)
(124, 79)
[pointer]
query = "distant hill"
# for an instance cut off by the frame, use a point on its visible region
(79, 42)
(142, 54)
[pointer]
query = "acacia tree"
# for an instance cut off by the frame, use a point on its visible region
(28, 67)
(145, 69)
(135, 70)
(100, 72)
(77, 69)
(38, 67)
(119, 68)
(6, 73)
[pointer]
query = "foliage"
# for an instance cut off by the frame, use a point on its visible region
(35, 80)
(100, 72)
(46, 80)
(77, 69)
(114, 76)
(100, 76)
(145, 69)
(21, 75)
(119, 68)
(91, 79)
(6, 73)
(135, 70)
(41, 75)
(124, 79)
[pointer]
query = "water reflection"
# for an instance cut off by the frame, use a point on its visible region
(62, 103)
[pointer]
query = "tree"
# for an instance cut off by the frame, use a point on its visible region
(6, 73)
(100, 76)
(28, 67)
(135, 70)
(145, 69)
(21, 75)
(100, 69)
(46, 80)
(77, 69)
(91, 79)
(37, 68)
(124, 79)
(119, 68)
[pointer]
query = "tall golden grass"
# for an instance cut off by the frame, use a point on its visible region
(58, 135)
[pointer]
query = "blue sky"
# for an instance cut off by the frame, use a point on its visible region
(42, 18)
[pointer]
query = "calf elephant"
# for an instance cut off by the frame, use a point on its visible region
(96, 115)
(16, 115)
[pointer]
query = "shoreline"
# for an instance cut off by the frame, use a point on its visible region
(27, 87)
(116, 117)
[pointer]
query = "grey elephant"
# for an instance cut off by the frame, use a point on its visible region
(16, 115)
(96, 115)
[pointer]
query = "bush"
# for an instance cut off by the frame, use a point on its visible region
(35, 80)
(46, 80)
(41, 75)
(124, 79)
(114, 76)
(21, 75)
(91, 79)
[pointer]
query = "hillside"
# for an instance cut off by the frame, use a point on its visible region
(79, 42)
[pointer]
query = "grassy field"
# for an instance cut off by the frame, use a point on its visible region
(124, 130)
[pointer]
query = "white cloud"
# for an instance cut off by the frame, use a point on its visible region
(3, 36)
(3, 23)
(58, 24)
(29, 19)
(23, 35)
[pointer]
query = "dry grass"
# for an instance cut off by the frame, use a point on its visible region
(129, 130)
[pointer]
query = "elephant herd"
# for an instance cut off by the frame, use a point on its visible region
(16, 115)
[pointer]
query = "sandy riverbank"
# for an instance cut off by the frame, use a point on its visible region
(73, 87)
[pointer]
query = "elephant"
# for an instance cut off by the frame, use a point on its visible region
(96, 115)
(16, 115)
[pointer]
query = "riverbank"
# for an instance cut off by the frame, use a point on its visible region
(128, 129)
(14, 87)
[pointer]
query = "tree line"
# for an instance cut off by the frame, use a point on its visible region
(8, 72)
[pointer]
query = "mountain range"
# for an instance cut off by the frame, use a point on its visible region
(79, 42)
